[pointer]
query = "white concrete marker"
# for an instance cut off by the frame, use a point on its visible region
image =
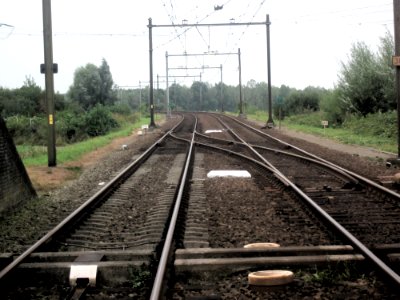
(228, 173)
(213, 131)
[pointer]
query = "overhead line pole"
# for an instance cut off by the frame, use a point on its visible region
(151, 96)
(240, 86)
(204, 54)
(211, 24)
(221, 98)
(220, 67)
(270, 122)
(194, 68)
(167, 87)
(183, 76)
(267, 23)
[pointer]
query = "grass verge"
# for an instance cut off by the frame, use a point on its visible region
(37, 155)
(340, 134)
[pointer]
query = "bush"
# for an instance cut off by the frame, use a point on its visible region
(310, 118)
(99, 121)
(378, 124)
(120, 108)
(71, 127)
(27, 130)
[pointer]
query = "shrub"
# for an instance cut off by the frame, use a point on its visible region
(310, 119)
(378, 124)
(120, 108)
(71, 126)
(27, 129)
(99, 121)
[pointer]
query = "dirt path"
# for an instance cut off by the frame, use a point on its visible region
(46, 178)
(331, 144)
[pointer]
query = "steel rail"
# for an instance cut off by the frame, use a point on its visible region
(82, 209)
(263, 159)
(343, 231)
(162, 266)
(343, 174)
(364, 250)
(359, 177)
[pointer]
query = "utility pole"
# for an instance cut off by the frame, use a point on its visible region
(201, 94)
(396, 65)
(270, 122)
(186, 68)
(151, 96)
(221, 91)
(48, 68)
(185, 24)
(240, 86)
(167, 88)
(140, 100)
(396, 58)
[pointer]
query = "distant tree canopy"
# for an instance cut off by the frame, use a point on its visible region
(93, 85)
(28, 100)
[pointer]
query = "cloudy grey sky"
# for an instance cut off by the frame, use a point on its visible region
(309, 38)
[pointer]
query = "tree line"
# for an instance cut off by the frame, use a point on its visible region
(366, 85)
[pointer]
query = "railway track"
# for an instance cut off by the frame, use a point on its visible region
(196, 225)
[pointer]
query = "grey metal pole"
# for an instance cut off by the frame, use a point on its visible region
(151, 95)
(270, 122)
(49, 82)
(167, 89)
(396, 10)
(222, 98)
(201, 96)
(240, 85)
(140, 100)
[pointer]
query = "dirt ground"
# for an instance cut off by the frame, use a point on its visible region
(45, 178)
(350, 149)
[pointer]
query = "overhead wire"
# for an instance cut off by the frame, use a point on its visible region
(247, 26)
(9, 33)
(189, 28)
(171, 17)
(184, 31)
(312, 17)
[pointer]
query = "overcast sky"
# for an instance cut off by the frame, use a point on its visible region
(309, 39)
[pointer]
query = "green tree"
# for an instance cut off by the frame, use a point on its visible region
(361, 85)
(107, 94)
(334, 109)
(28, 100)
(86, 88)
(386, 70)
(199, 95)
(93, 85)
